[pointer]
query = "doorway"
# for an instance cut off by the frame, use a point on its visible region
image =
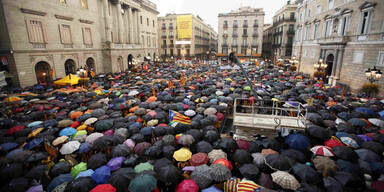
(130, 61)
(90, 64)
(43, 72)
(329, 61)
(69, 67)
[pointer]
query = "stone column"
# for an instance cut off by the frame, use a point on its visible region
(120, 19)
(339, 63)
(108, 27)
(131, 25)
(138, 27)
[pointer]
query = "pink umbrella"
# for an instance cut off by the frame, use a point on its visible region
(243, 144)
(130, 143)
(152, 113)
(109, 132)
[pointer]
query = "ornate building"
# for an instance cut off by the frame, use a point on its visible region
(347, 34)
(46, 39)
(241, 31)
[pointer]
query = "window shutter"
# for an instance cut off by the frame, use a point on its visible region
(29, 28)
(61, 34)
(44, 30)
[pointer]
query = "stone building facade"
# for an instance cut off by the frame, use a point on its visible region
(241, 31)
(347, 34)
(283, 31)
(267, 41)
(203, 39)
(47, 39)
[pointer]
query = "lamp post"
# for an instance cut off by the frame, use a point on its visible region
(293, 63)
(373, 74)
(320, 67)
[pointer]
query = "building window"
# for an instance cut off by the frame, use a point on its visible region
(149, 41)
(163, 26)
(87, 36)
(244, 31)
(147, 21)
(309, 13)
(178, 52)
(65, 34)
(331, 3)
(365, 21)
(171, 52)
(318, 9)
(63, 1)
(291, 27)
(255, 23)
(345, 25)
(315, 30)
(141, 19)
(292, 16)
(164, 42)
(142, 40)
(245, 23)
(188, 52)
(153, 23)
(36, 31)
(225, 24)
(328, 28)
(380, 59)
(245, 43)
(301, 17)
(171, 41)
(84, 4)
(235, 23)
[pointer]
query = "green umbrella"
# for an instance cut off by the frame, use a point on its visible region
(143, 167)
(247, 88)
(78, 168)
(142, 183)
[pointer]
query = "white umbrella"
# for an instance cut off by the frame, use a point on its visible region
(69, 147)
(59, 140)
(210, 111)
(219, 93)
(90, 121)
(377, 122)
(133, 93)
(190, 113)
(92, 137)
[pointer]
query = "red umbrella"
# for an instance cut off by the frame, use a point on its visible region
(333, 142)
(187, 186)
(199, 159)
(224, 162)
(220, 116)
(14, 129)
(371, 135)
(104, 188)
(243, 144)
(75, 124)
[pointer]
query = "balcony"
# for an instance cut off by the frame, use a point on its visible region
(334, 40)
(163, 36)
(225, 26)
(225, 35)
(244, 45)
(245, 35)
(254, 45)
(234, 35)
(255, 25)
(170, 36)
(224, 45)
(234, 45)
(290, 32)
(235, 26)
(255, 35)
(245, 25)
(170, 28)
(276, 45)
(163, 28)
(164, 46)
(289, 44)
(171, 45)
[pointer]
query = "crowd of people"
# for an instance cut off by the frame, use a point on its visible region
(159, 130)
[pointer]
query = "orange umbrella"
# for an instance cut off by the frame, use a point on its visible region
(224, 162)
(76, 114)
(267, 152)
(152, 99)
(133, 109)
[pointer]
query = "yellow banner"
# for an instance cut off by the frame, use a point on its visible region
(184, 26)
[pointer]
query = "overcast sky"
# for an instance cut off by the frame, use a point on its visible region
(208, 10)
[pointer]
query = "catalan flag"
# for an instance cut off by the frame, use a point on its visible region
(175, 117)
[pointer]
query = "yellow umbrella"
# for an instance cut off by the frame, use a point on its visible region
(276, 100)
(82, 127)
(182, 154)
(12, 99)
(35, 132)
(59, 140)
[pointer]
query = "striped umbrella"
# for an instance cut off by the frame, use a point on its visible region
(322, 151)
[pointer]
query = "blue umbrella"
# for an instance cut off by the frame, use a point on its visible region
(146, 131)
(365, 110)
(38, 87)
(84, 147)
(13, 152)
(86, 173)
(35, 123)
(377, 167)
(58, 181)
(101, 175)
(8, 146)
(32, 144)
(381, 113)
(342, 134)
(69, 131)
(297, 141)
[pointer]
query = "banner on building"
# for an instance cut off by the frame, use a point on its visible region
(184, 26)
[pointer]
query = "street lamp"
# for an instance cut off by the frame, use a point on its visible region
(81, 72)
(320, 68)
(293, 63)
(373, 74)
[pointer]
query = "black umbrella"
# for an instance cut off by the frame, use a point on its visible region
(211, 136)
(82, 184)
(345, 153)
(37, 156)
(269, 143)
(169, 174)
(168, 151)
(13, 170)
(20, 184)
(97, 160)
(249, 171)
(131, 160)
(331, 184)
(153, 151)
(306, 173)
(204, 147)
(348, 166)
(367, 155)
(228, 145)
(196, 134)
(159, 163)
(314, 118)
(295, 155)
(317, 132)
(121, 150)
(121, 178)
(37, 172)
(242, 156)
(279, 162)
(60, 168)
(374, 146)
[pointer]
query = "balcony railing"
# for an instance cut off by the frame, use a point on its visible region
(235, 26)
(164, 36)
(255, 25)
(245, 35)
(170, 27)
(225, 35)
(171, 36)
(163, 28)
(245, 25)
(254, 45)
(244, 45)
(255, 35)
(225, 45)
(171, 45)
(234, 44)
(163, 46)
(290, 32)
(234, 35)
(225, 26)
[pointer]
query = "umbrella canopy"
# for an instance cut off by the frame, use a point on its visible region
(143, 167)
(345, 153)
(220, 173)
(64, 178)
(279, 162)
(297, 141)
(101, 175)
(322, 151)
(306, 173)
(186, 140)
(182, 154)
(216, 154)
(242, 156)
(169, 174)
(325, 165)
(59, 140)
(367, 155)
(204, 147)
(115, 163)
(249, 171)
(285, 180)
(202, 176)
(224, 162)
(143, 183)
(78, 168)
(69, 147)
(121, 178)
(199, 159)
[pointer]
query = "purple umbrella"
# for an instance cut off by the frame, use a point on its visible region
(37, 188)
(365, 138)
(115, 163)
